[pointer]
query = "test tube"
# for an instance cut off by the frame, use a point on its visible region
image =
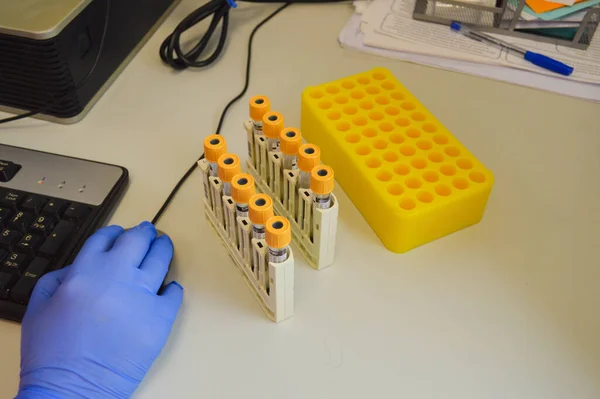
(260, 210)
(321, 184)
(214, 147)
(290, 142)
(242, 188)
(229, 166)
(309, 156)
(259, 106)
(278, 236)
(272, 126)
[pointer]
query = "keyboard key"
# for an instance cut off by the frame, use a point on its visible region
(42, 225)
(8, 170)
(6, 282)
(9, 238)
(5, 215)
(11, 199)
(16, 262)
(22, 290)
(21, 221)
(34, 204)
(77, 212)
(29, 244)
(54, 207)
(57, 238)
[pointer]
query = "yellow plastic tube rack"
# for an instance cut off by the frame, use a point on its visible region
(261, 252)
(283, 168)
(411, 179)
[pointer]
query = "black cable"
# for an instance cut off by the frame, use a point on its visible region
(171, 52)
(78, 86)
(223, 113)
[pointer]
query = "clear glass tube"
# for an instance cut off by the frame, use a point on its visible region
(277, 255)
(258, 231)
(241, 210)
(322, 201)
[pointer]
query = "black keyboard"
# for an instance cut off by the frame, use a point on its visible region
(49, 205)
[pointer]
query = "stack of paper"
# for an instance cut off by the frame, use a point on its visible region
(386, 27)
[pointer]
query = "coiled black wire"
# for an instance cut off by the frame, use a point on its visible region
(170, 50)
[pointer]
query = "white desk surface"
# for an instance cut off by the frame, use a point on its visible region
(508, 308)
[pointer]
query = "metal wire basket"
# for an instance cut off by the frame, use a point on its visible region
(502, 18)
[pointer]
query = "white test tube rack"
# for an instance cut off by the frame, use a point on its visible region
(314, 230)
(271, 283)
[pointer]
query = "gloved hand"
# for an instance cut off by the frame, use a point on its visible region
(93, 329)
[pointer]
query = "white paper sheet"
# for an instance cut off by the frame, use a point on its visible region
(394, 18)
(352, 37)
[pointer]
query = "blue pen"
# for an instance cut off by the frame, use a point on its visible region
(535, 58)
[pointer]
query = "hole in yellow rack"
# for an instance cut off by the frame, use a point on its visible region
(436, 157)
(357, 95)
(363, 80)
(382, 100)
(373, 163)
(369, 131)
(443, 190)
(424, 145)
(386, 127)
(408, 106)
(429, 128)
(464, 163)
(417, 116)
(448, 170)
(461, 183)
(380, 144)
(395, 189)
(347, 84)
(341, 99)
(388, 85)
(350, 110)
(397, 138)
(452, 151)
(391, 110)
(366, 104)
(360, 121)
(376, 115)
(316, 94)
(407, 150)
(372, 90)
(390, 156)
(332, 89)
(352, 138)
(425, 196)
(413, 182)
(384, 175)
(397, 96)
(401, 170)
(407, 204)
(419, 163)
(402, 122)
(363, 150)
(440, 139)
(413, 133)
(477, 177)
(325, 104)
(431, 176)
(343, 126)
(379, 75)
(334, 115)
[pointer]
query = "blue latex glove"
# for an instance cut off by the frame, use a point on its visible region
(93, 329)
